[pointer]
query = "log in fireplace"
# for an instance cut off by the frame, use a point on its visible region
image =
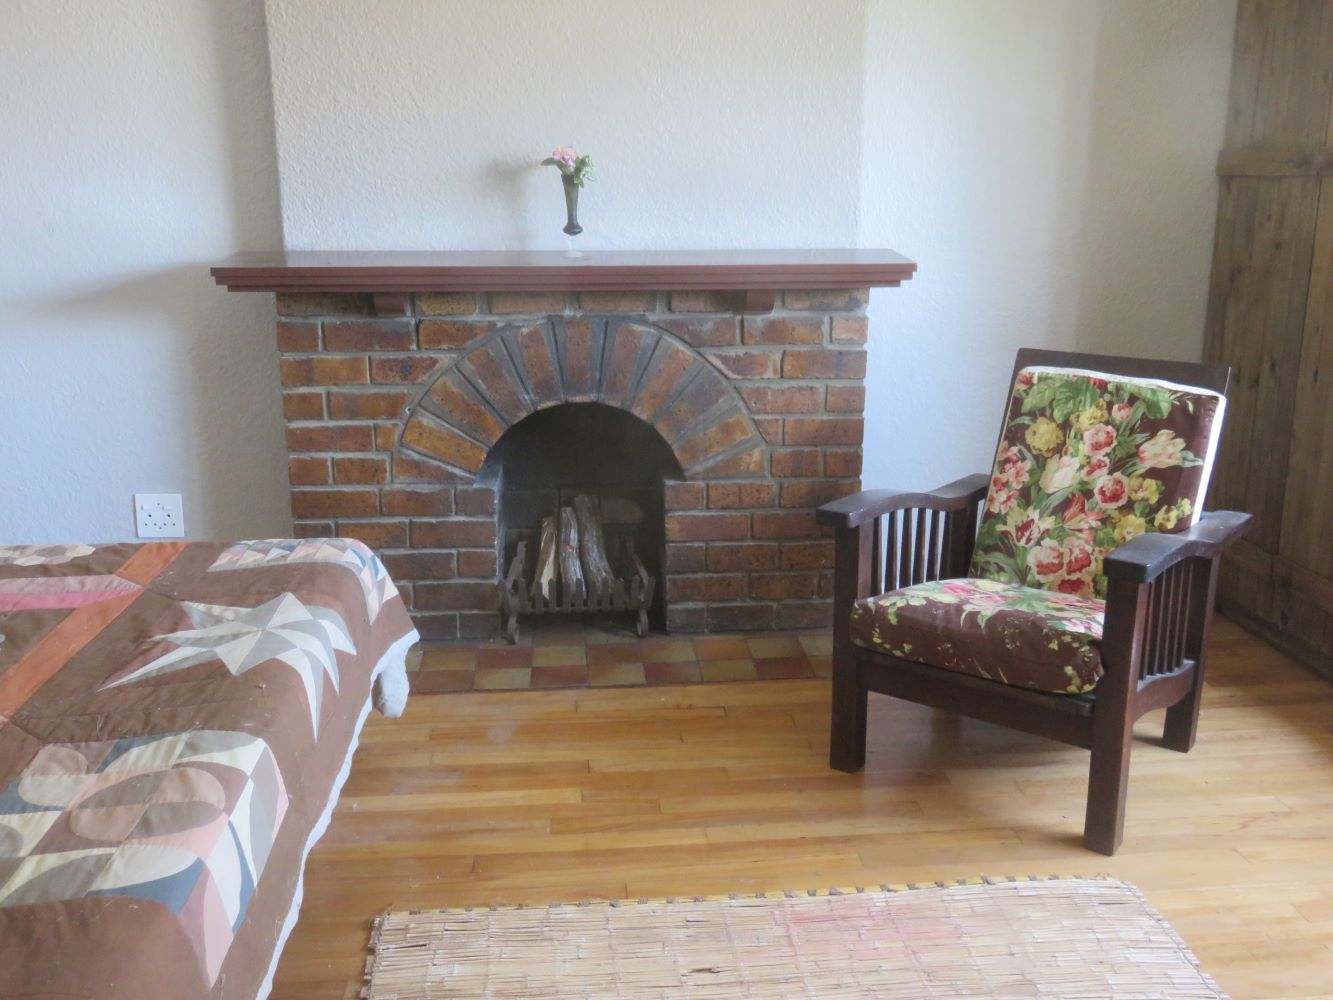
(439, 406)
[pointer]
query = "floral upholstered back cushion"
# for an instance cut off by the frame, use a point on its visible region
(1087, 462)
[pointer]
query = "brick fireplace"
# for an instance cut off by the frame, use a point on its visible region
(402, 401)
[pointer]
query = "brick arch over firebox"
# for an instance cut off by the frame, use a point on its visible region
(518, 370)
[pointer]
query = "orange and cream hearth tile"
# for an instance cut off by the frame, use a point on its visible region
(589, 655)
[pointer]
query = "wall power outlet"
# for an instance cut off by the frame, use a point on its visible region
(159, 515)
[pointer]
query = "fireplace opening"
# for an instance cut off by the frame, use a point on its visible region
(619, 464)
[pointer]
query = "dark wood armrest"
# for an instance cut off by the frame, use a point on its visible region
(849, 512)
(1142, 559)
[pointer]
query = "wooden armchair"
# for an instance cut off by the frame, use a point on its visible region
(938, 601)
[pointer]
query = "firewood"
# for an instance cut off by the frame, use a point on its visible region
(592, 544)
(547, 563)
(571, 568)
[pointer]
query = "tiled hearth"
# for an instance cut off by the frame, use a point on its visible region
(581, 656)
(403, 407)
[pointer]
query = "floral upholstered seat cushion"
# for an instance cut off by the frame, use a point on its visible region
(1024, 636)
(1085, 463)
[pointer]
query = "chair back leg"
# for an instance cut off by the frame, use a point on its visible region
(1182, 718)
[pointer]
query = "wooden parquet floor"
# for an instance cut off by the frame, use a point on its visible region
(544, 796)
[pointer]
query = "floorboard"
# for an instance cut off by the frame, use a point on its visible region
(543, 796)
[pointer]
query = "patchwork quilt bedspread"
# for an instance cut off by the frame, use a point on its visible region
(173, 719)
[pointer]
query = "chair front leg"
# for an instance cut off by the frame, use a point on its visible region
(853, 548)
(1113, 718)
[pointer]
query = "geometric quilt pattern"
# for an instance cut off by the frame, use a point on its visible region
(186, 820)
(376, 584)
(303, 637)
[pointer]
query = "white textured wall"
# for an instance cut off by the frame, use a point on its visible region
(1050, 164)
(136, 150)
(714, 123)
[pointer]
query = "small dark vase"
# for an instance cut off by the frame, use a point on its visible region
(572, 226)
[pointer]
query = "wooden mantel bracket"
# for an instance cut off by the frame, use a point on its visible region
(392, 276)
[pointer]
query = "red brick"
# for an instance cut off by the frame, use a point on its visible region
(783, 586)
(490, 366)
(783, 398)
(444, 443)
(707, 527)
(298, 336)
(345, 405)
(449, 335)
(454, 533)
(714, 440)
(330, 437)
(334, 503)
(513, 303)
(824, 364)
(386, 436)
(312, 529)
(705, 390)
(361, 469)
(791, 462)
(322, 304)
(842, 462)
(702, 301)
(807, 555)
(788, 524)
(324, 371)
(826, 584)
(621, 363)
(849, 329)
(479, 563)
(686, 558)
(303, 405)
(706, 587)
(826, 299)
(446, 303)
(428, 502)
(476, 501)
(479, 624)
(815, 492)
(749, 364)
(376, 534)
(685, 496)
(303, 471)
(770, 428)
(575, 344)
(421, 565)
(846, 398)
(406, 370)
(458, 403)
(742, 556)
(435, 628)
(743, 463)
(618, 302)
(456, 596)
(739, 617)
(408, 468)
(806, 614)
(825, 430)
(737, 495)
(369, 335)
(783, 330)
(538, 363)
(687, 618)
(703, 332)
(666, 370)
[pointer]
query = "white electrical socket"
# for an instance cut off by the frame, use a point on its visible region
(159, 515)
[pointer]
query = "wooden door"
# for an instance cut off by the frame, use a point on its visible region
(1270, 316)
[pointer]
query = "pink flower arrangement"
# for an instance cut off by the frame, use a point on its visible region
(578, 168)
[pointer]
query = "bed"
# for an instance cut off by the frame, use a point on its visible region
(176, 720)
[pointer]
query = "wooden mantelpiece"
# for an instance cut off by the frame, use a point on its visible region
(389, 275)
